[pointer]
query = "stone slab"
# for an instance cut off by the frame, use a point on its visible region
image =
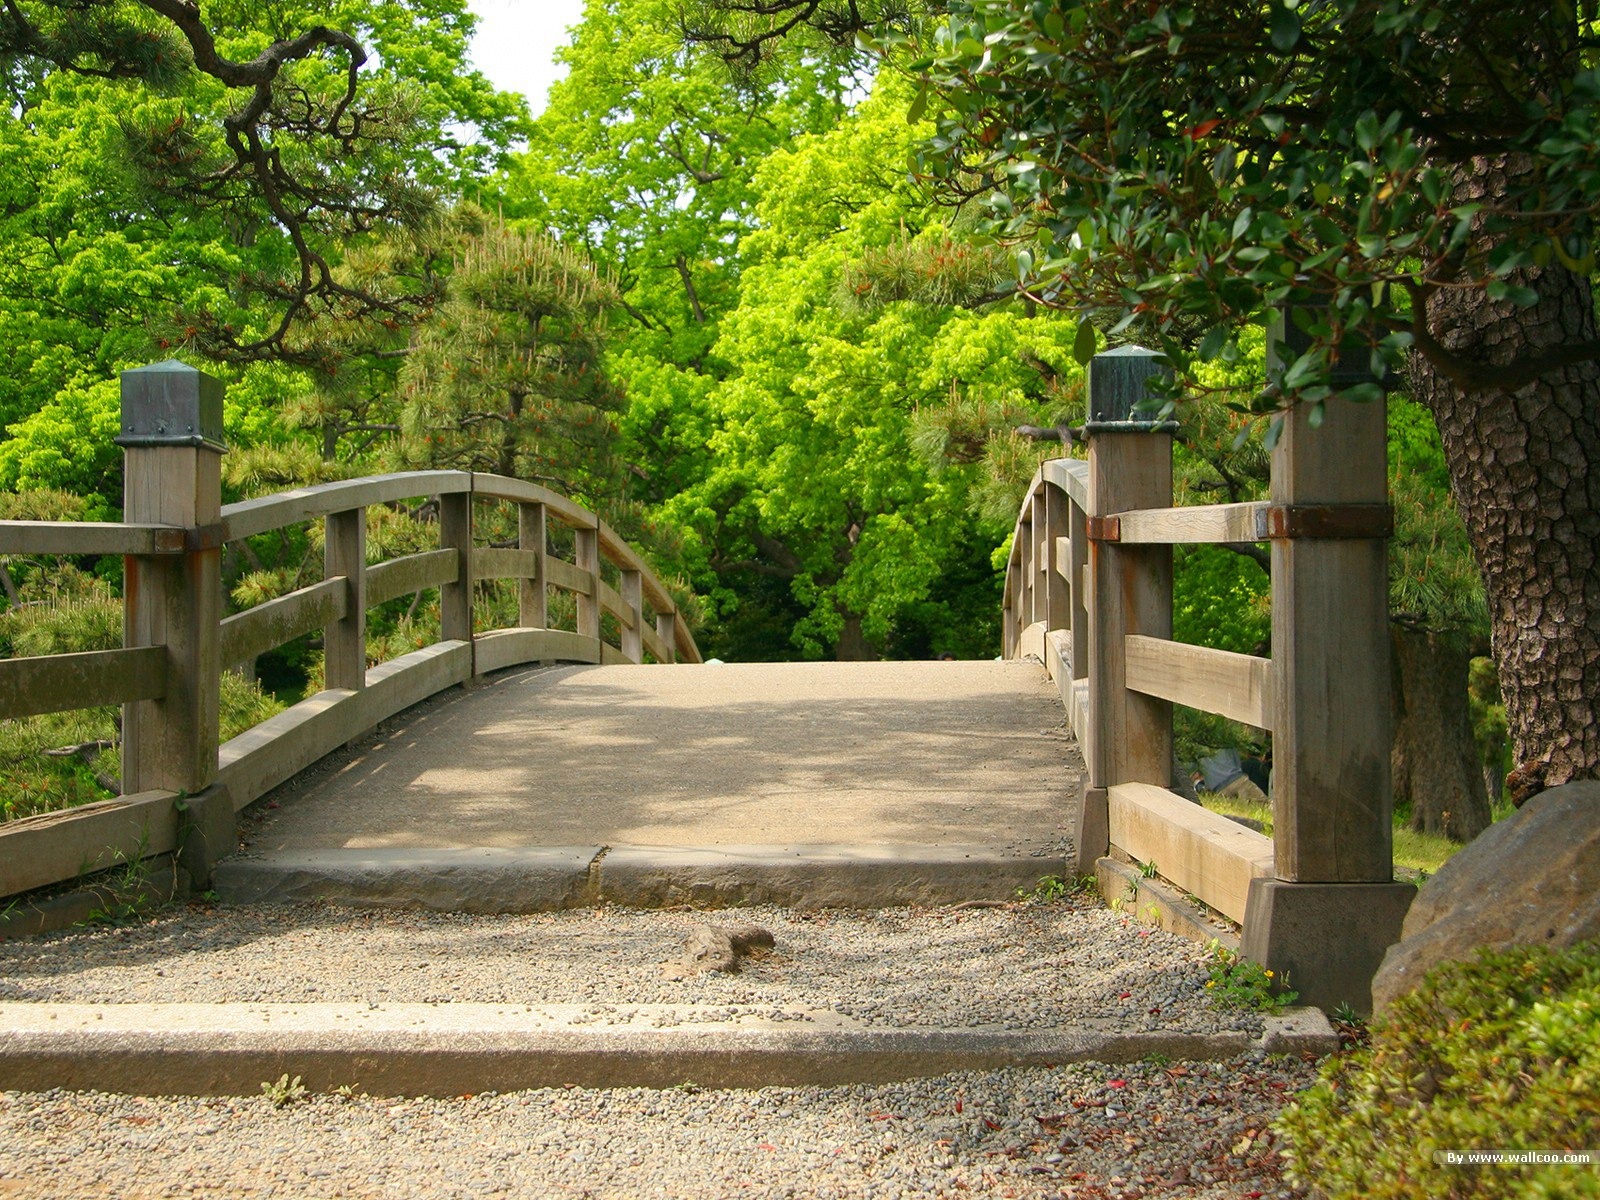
(449, 879)
(816, 876)
(444, 1050)
(1299, 1031)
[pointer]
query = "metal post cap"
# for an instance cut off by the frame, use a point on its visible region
(171, 404)
(1119, 381)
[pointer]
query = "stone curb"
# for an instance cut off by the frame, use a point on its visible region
(544, 879)
(456, 1049)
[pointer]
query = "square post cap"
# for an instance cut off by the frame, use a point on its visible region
(171, 404)
(1119, 381)
(1287, 340)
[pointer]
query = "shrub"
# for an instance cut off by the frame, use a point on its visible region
(1498, 1054)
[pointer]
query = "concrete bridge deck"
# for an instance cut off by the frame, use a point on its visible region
(799, 783)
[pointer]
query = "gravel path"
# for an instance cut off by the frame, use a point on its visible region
(1026, 966)
(1154, 1128)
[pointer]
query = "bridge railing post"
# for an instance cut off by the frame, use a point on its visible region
(455, 599)
(633, 598)
(586, 550)
(1333, 908)
(344, 642)
(667, 631)
(1130, 467)
(172, 475)
(533, 605)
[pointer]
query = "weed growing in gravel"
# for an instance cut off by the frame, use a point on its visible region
(285, 1091)
(1238, 983)
(128, 891)
(1051, 888)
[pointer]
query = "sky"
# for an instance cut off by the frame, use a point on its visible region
(516, 42)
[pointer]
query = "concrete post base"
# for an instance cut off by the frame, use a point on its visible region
(1091, 831)
(1325, 939)
(209, 832)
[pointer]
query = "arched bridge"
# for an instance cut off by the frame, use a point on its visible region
(592, 757)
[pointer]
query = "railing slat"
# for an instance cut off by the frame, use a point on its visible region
(1211, 523)
(612, 601)
(504, 563)
(61, 682)
(402, 576)
(249, 517)
(268, 625)
(564, 575)
(1202, 852)
(1236, 686)
(88, 537)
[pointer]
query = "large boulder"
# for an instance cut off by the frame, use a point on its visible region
(1532, 879)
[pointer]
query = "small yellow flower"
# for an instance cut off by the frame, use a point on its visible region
(1269, 974)
(1211, 983)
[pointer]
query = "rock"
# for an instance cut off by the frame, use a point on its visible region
(717, 948)
(1532, 879)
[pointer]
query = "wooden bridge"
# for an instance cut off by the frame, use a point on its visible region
(928, 781)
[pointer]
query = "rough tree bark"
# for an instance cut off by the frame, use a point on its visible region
(1525, 472)
(1434, 761)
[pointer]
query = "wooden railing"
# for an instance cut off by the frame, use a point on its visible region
(1089, 592)
(179, 786)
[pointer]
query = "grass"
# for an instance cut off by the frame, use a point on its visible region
(1422, 852)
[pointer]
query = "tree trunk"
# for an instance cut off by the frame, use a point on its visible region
(1435, 759)
(853, 645)
(1525, 473)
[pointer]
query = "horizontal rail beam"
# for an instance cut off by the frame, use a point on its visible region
(268, 625)
(250, 517)
(1236, 686)
(89, 537)
(512, 647)
(52, 847)
(1201, 523)
(558, 572)
(502, 487)
(504, 563)
(402, 576)
(1202, 852)
(61, 682)
(1071, 475)
(612, 602)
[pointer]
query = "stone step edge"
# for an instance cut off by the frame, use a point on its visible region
(550, 878)
(459, 1049)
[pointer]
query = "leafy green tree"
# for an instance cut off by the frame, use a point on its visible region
(507, 377)
(1429, 166)
(848, 449)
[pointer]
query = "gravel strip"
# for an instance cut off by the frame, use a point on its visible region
(1026, 966)
(1085, 1131)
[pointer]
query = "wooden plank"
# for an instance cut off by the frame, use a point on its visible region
(1202, 852)
(1071, 475)
(1057, 554)
(1076, 567)
(685, 648)
(612, 601)
(344, 638)
(455, 597)
(1130, 733)
(171, 743)
(273, 622)
(587, 556)
(533, 597)
(654, 644)
(503, 563)
(250, 517)
(503, 648)
(502, 487)
(1201, 523)
(610, 656)
(633, 622)
(403, 576)
(1237, 686)
(62, 682)
(564, 575)
(1332, 798)
(88, 537)
(57, 847)
(259, 759)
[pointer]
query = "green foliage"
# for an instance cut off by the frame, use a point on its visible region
(284, 1091)
(1220, 598)
(1498, 1054)
(1236, 982)
(1177, 167)
(1052, 889)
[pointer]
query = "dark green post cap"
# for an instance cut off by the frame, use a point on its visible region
(1119, 381)
(171, 404)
